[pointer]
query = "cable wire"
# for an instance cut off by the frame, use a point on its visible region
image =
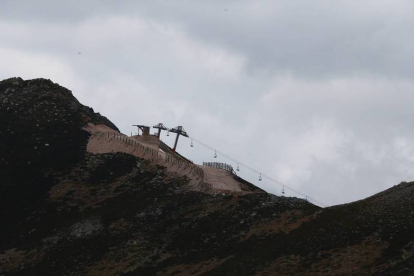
(258, 172)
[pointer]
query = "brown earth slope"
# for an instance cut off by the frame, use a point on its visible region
(65, 211)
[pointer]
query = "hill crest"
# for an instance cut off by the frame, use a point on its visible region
(68, 210)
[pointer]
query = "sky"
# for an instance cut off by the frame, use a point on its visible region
(315, 94)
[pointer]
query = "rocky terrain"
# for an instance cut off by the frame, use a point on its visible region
(66, 211)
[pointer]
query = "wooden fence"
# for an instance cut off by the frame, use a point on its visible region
(155, 154)
(219, 165)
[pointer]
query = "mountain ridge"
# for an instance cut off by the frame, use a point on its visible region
(69, 211)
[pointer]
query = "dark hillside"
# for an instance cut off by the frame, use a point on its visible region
(343, 239)
(40, 136)
(66, 211)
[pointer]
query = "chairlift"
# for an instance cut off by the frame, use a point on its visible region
(215, 154)
(238, 169)
(283, 190)
(260, 177)
(192, 145)
(168, 133)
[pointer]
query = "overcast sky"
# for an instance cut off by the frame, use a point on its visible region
(316, 94)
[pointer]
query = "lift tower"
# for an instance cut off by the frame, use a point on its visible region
(160, 127)
(180, 131)
(145, 129)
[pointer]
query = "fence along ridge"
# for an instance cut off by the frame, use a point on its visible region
(194, 169)
(219, 165)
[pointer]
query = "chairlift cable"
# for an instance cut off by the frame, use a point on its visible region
(256, 171)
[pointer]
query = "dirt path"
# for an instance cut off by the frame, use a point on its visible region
(106, 140)
(220, 179)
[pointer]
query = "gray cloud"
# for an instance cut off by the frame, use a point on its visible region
(317, 95)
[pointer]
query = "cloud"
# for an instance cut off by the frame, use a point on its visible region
(17, 63)
(315, 94)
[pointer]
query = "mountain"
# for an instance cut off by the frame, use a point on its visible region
(79, 198)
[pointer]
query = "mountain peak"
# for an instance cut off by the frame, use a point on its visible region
(77, 197)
